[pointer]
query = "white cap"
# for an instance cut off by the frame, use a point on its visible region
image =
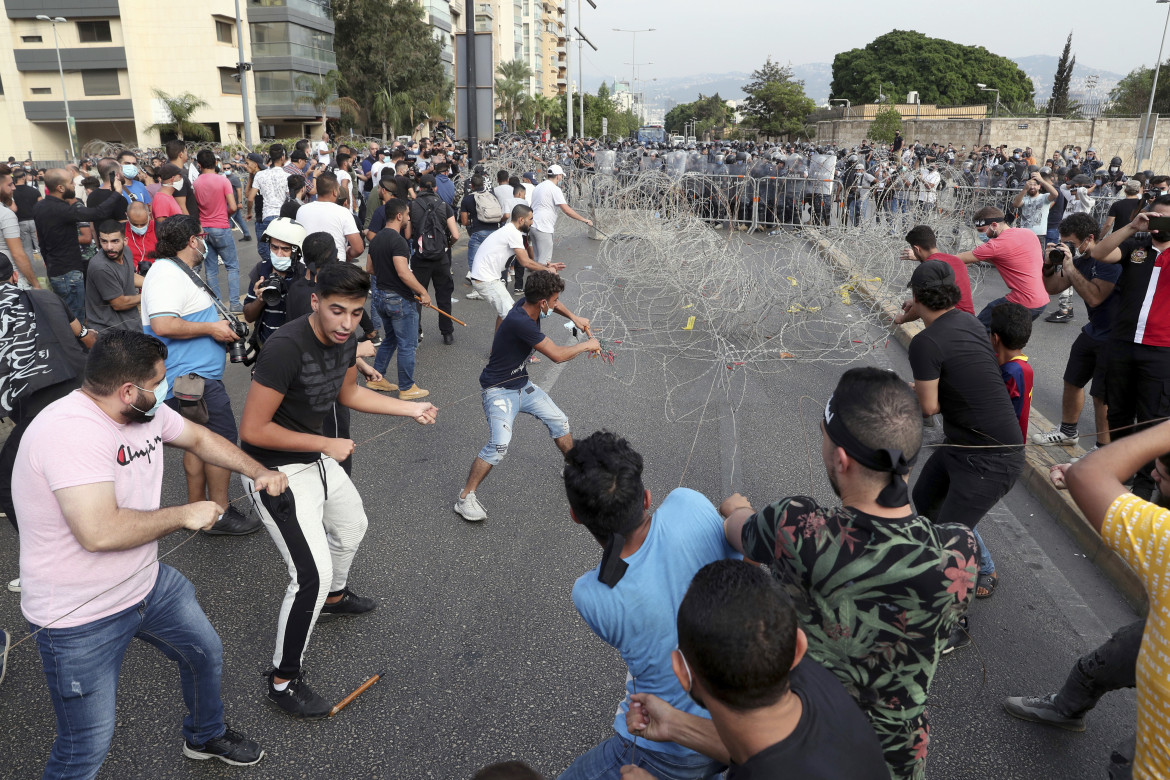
(556, 170)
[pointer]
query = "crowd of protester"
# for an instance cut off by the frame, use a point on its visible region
(815, 662)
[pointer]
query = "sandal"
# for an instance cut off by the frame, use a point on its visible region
(985, 585)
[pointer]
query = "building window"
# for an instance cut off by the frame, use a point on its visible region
(94, 32)
(100, 82)
(223, 31)
(30, 39)
(229, 83)
(42, 90)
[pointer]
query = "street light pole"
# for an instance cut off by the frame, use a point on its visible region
(569, 71)
(846, 102)
(1141, 146)
(633, 53)
(985, 88)
(242, 67)
(69, 124)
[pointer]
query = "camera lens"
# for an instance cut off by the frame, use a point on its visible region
(1055, 256)
(237, 350)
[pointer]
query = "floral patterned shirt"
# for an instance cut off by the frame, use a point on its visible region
(878, 598)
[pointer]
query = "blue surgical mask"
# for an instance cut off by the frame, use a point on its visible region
(544, 313)
(139, 231)
(281, 263)
(983, 238)
(130, 171)
(160, 395)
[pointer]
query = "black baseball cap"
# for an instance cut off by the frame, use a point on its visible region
(932, 273)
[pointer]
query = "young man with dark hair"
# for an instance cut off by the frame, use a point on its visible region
(271, 184)
(177, 156)
(1138, 370)
(873, 556)
(477, 229)
(1016, 254)
(319, 522)
(396, 292)
(88, 484)
(13, 231)
(325, 215)
(507, 390)
(1096, 283)
(632, 597)
(296, 192)
(923, 247)
(111, 285)
(774, 711)
(487, 271)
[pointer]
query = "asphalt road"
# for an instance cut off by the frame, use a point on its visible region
(482, 654)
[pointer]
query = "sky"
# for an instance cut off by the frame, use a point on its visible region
(698, 36)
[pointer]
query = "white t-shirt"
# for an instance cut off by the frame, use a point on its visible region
(929, 195)
(322, 152)
(492, 256)
(546, 200)
(510, 203)
(345, 182)
(503, 193)
(335, 220)
(73, 443)
(272, 184)
(10, 228)
(528, 188)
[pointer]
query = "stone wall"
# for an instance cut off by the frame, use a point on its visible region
(1111, 137)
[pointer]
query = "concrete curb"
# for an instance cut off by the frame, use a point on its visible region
(1039, 459)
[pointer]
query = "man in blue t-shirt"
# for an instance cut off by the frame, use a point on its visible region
(631, 598)
(507, 391)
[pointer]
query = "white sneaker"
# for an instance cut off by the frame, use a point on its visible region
(470, 509)
(473, 296)
(14, 585)
(1054, 437)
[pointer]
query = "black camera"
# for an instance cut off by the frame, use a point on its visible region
(1056, 257)
(272, 293)
(238, 349)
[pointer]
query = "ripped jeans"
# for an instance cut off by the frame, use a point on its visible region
(82, 664)
(502, 404)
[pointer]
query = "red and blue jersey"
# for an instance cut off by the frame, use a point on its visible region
(1017, 375)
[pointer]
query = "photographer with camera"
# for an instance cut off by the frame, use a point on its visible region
(178, 308)
(270, 279)
(1068, 265)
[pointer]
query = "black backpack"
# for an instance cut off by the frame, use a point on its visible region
(432, 234)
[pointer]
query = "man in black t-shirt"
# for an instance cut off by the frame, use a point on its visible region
(507, 390)
(1138, 372)
(436, 271)
(25, 195)
(741, 655)
(318, 523)
(395, 292)
(956, 374)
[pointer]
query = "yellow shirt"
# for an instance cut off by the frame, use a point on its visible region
(1140, 532)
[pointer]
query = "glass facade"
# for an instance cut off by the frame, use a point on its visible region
(318, 8)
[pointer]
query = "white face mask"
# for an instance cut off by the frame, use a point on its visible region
(178, 185)
(281, 263)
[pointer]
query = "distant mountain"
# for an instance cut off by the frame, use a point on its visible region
(664, 93)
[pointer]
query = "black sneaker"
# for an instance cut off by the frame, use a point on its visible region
(234, 523)
(246, 238)
(231, 747)
(298, 699)
(1042, 709)
(350, 605)
(959, 637)
(448, 339)
(1060, 316)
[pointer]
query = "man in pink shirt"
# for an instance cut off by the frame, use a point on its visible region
(924, 246)
(217, 202)
(87, 486)
(164, 204)
(1017, 255)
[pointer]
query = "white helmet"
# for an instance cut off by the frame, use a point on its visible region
(289, 231)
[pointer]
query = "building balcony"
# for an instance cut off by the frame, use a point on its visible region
(275, 103)
(286, 49)
(82, 110)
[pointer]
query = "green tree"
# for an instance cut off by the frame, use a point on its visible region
(512, 91)
(711, 115)
(1132, 94)
(181, 108)
(776, 104)
(884, 124)
(940, 71)
(386, 45)
(1058, 104)
(323, 95)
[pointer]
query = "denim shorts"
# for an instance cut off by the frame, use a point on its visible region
(502, 404)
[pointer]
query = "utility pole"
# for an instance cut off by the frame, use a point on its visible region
(472, 87)
(242, 68)
(569, 71)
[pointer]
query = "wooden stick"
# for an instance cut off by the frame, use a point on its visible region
(445, 314)
(360, 690)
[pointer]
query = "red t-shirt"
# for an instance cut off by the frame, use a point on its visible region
(141, 246)
(1017, 255)
(164, 205)
(212, 191)
(962, 280)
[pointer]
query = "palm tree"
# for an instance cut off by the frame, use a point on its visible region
(323, 94)
(512, 90)
(180, 109)
(438, 108)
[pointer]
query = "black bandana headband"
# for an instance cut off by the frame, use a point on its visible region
(894, 495)
(985, 222)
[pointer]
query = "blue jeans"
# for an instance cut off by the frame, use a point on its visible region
(401, 316)
(606, 761)
(473, 242)
(221, 244)
(238, 217)
(986, 565)
(375, 317)
(985, 314)
(70, 287)
(502, 404)
(82, 664)
(262, 246)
